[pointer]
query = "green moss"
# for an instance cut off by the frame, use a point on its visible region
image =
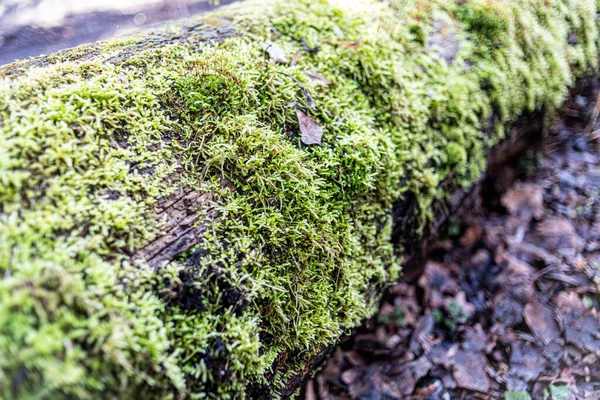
(91, 139)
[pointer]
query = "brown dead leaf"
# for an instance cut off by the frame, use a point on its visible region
(420, 338)
(469, 371)
(559, 233)
(315, 76)
(555, 351)
(517, 278)
(439, 355)
(311, 131)
(296, 58)
(471, 236)
(533, 252)
(476, 340)
(526, 364)
(275, 52)
(482, 259)
(350, 45)
(570, 303)
(369, 345)
(525, 201)
(405, 381)
(371, 385)
(309, 390)
(420, 367)
(436, 277)
(542, 322)
(583, 331)
(309, 100)
(349, 376)
(577, 280)
(354, 358)
(507, 310)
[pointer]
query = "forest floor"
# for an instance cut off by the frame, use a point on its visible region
(507, 303)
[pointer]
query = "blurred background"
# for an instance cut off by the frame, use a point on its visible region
(33, 27)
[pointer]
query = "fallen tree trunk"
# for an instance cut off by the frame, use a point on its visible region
(202, 209)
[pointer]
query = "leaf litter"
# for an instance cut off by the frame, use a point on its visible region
(311, 131)
(509, 308)
(275, 52)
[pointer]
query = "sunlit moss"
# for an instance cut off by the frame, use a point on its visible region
(92, 138)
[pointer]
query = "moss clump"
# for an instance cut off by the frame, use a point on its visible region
(302, 243)
(211, 87)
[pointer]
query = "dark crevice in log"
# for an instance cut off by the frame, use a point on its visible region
(184, 214)
(181, 229)
(310, 367)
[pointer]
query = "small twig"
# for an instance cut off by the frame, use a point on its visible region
(310, 50)
(340, 122)
(293, 104)
(275, 31)
(265, 50)
(309, 100)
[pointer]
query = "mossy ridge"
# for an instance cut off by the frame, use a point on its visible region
(302, 246)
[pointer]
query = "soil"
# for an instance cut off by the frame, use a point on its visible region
(507, 301)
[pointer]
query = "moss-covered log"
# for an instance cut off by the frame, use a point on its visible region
(166, 233)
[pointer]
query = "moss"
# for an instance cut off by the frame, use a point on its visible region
(91, 139)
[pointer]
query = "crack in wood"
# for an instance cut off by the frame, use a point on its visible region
(182, 228)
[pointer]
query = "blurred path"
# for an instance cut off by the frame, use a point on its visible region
(32, 27)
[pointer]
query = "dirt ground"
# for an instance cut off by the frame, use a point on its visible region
(29, 28)
(507, 305)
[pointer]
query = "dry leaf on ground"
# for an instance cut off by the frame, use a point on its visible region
(311, 131)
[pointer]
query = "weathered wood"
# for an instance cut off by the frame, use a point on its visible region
(182, 228)
(200, 31)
